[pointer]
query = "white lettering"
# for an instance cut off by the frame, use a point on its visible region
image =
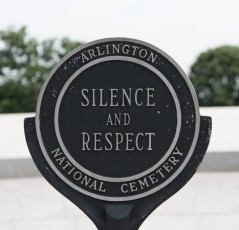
(84, 141)
(123, 189)
(150, 95)
(150, 140)
(85, 97)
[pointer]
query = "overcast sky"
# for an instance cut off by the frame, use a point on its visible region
(181, 28)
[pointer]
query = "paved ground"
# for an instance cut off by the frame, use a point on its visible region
(209, 201)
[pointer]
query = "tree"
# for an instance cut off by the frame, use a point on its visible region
(215, 76)
(24, 65)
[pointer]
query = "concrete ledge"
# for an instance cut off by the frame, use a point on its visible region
(223, 150)
(16, 168)
(222, 161)
(213, 162)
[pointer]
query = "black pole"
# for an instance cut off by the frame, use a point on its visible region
(118, 217)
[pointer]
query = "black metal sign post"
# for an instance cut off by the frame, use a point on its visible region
(117, 130)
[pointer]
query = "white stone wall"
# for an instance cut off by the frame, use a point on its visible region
(222, 154)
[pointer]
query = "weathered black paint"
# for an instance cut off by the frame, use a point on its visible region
(114, 196)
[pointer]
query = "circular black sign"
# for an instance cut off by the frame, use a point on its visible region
(117, 119)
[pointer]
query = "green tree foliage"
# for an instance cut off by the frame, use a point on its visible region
(215, 76)
(24, 65)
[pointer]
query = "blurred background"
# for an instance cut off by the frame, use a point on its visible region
(201, 36)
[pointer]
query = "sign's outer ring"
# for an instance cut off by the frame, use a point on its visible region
(171, 178)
